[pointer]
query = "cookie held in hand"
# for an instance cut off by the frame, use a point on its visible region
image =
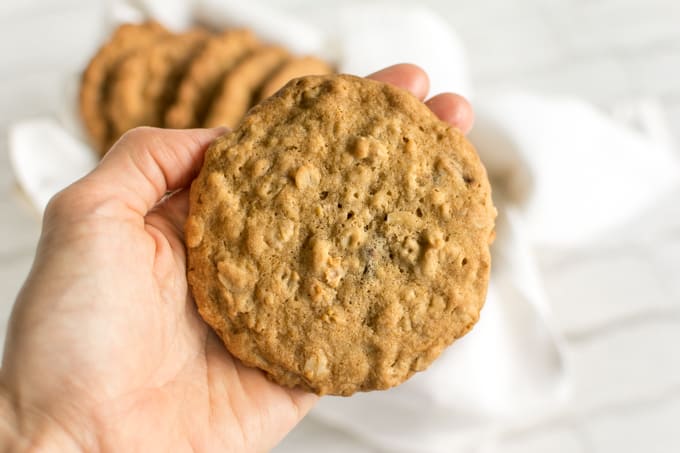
(338, 239)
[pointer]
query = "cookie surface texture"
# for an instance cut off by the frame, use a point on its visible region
(220, 54)
(95, 83)
(338, 239)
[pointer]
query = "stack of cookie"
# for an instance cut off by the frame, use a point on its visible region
(147, 76)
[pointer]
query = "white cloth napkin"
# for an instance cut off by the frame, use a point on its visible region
(562, 172)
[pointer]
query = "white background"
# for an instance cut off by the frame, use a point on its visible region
(619, 306)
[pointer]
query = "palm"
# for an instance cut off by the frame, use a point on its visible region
(172, 371)
(181, 357)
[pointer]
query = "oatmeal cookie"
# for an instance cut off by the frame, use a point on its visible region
(202, 79)
(95, 83)
(239, 87)
(146, 82)
(296, 67)
(338, 239)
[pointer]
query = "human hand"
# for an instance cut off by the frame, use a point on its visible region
(105, 349)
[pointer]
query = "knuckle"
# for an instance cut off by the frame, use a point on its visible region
(136, 136)
(61, 204)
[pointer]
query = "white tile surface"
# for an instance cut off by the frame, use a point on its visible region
(620, 306)
(649, 428)
(559, 440)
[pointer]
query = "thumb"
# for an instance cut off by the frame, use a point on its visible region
(146, 163)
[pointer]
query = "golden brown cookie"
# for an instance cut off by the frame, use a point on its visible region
(338, 239)
(221, 53)
(145, 83)
(94, 87)
(238, 89)
(296, 67)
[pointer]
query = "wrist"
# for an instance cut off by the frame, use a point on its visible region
(26, 430)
